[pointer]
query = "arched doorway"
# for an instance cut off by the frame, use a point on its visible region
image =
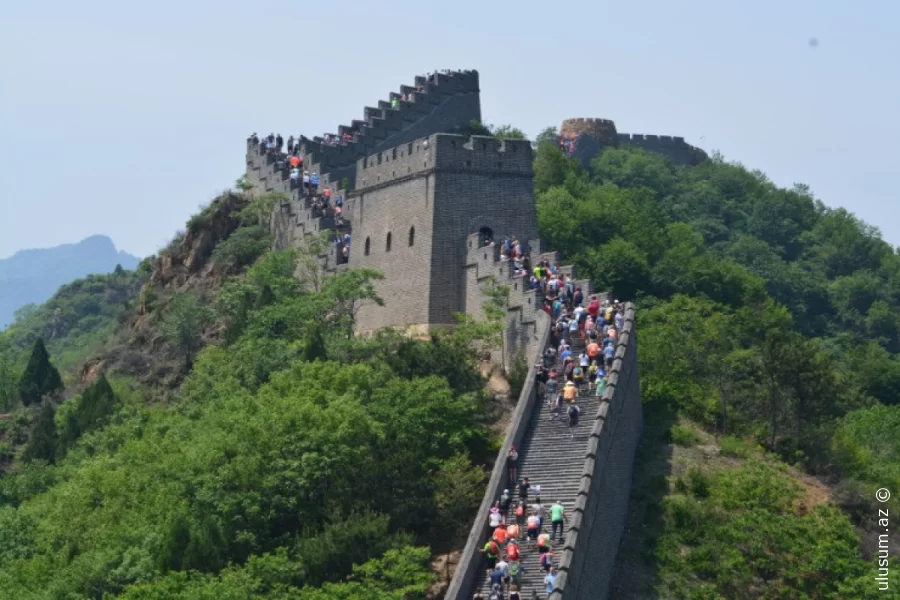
(485, 236)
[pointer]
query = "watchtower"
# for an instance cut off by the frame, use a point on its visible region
(415, 206)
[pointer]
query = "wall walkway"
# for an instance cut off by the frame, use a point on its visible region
(592, 472)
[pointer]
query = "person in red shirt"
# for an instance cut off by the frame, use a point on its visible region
(295, 162)
(500, 535)
(594, 308)
(512, 551)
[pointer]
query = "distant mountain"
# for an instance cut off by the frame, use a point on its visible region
(33, 276)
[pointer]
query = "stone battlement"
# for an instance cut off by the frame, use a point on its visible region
(439, 103)
(446, 152)
(594, 135)
(602, 129)
(640, 137)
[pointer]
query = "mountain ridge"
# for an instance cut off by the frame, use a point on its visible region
(32, 275)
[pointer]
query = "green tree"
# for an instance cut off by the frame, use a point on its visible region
(348, 291)
(242, 247)
(89, 411)
(260, 208)
(459, 487)
(40, 377)
(243, 184)
(314, 344)
(508, 132)
(43, 440)
(620, 267)
(184, 323)
(9, 379)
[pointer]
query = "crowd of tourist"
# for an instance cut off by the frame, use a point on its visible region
(567, 143)
(563, 376)
(325, 203)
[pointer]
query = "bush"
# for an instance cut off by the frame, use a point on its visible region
(732, 446)
(242, 247)
(683, 435)
(518, 373)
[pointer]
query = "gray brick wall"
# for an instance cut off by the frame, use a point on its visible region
(407, 285)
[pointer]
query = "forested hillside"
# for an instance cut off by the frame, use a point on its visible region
(767, 319)
(217, 431)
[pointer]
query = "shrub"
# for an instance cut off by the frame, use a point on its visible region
(518, 373)
(683, 435)
(732, 446)
(242, 247)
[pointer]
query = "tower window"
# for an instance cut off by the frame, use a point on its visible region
(412, 236)
(387, 244)
(485, 235)
(368, 246)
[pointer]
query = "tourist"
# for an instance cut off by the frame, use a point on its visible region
(543, 543)
(505, 503)
(557, 520)
(573, 412)
(570, 392)
(523, 490)
(520, 515)
(494, 517)
(550, 580)
(515, 576)
(512, 549)
(534, 528)
(512, 464)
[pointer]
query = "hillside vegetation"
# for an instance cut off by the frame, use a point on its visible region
(218, 432)
(765, 317)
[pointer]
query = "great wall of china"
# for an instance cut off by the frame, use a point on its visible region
(417, 202)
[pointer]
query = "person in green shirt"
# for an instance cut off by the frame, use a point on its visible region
(601, 385)
(557, 519)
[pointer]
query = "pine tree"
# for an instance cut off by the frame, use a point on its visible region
(314, 345)
(40, 377)
(42, 443)
(95, 404)
(98, 401)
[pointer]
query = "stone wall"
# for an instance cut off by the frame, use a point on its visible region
(521, 334)
(402, 212)
(595, 135)
(598, 520)
(603, 130)
(678, 151)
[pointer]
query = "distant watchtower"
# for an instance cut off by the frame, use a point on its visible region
(592, 136)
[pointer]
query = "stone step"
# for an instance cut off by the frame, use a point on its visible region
(551, 457)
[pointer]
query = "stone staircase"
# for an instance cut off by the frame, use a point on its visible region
(552, 456)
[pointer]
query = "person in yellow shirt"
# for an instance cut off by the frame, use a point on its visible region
(570, 392)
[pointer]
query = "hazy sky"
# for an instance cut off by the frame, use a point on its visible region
(122, 118)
